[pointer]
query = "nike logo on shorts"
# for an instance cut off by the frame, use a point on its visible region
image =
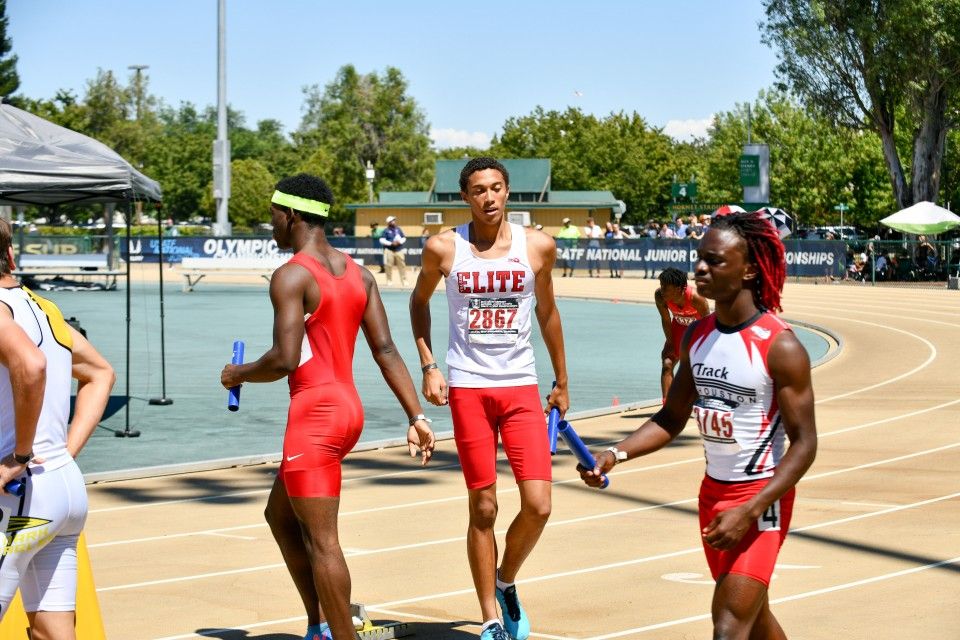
(292, 458)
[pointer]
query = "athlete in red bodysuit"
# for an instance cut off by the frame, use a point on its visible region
(746, 378)
(679, 306)
(321, 300)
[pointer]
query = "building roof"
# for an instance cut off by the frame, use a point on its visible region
(527, 175)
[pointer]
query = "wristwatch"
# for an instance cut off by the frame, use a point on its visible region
(432, 365)
(24, 459)
(618, 456)
(419, 416)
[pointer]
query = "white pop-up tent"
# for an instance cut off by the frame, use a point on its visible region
(42, 163)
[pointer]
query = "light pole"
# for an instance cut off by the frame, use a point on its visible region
(371, 174)
(221, 146)
(841, 208)
(139, 68)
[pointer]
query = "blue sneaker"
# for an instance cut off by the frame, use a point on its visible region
(494, 632)
(514, 617)
(318, 632)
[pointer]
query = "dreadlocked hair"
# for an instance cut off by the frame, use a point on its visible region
(765, 250)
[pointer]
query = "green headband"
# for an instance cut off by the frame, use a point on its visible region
(301, 204)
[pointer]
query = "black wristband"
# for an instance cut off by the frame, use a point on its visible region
(432, 365)
(22, 459)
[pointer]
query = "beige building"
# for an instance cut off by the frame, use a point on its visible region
(531, 202)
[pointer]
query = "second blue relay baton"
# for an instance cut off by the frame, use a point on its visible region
(579, 450)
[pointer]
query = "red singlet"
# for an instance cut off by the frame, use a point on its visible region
(681, 317)
(325, 417)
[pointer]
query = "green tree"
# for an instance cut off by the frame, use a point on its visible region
(460, 153)
(814, 164)
(360, 118)
(251, 185)
(883, 65)
(179, 158)
(620, 153)
(9, 79)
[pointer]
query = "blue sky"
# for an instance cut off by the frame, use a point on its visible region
(470, 66)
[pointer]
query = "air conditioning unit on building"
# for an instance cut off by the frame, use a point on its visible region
(432, 217)
(519, 217)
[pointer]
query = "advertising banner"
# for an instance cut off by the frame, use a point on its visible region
(804, 257)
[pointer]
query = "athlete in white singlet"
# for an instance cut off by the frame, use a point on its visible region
(39, 354)
(497, 275)
(746, 378)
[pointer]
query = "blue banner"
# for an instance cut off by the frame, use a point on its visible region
(810, 258)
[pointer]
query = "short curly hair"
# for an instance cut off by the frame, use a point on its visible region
(481, 164)
(307, 186)
(671, 276)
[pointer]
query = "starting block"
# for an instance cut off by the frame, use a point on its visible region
(370, 631)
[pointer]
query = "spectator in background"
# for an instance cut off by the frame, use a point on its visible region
(926, 255)
(375, 233)
(394, 253)
(666, 232)
(695, 229)
(568, 236)
(613, 238)
(653, 229)
(593, 233)
(681, 228)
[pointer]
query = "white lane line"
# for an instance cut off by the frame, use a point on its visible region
(253, 492)
(548, 577)
(925, 364)
(798, 596)
(931, 358)
(901, 416)
(403, 505)
(253, 625)
(420, 503)
(867, 465)
(198, 576)
(227, 535)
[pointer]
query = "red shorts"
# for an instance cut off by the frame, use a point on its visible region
(757, 552)
(676, 331)
(514, 413)
(323, 425)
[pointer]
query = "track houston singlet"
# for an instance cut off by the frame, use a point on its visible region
(490, 302)
(736, 409)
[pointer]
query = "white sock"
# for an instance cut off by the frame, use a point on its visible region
(489, 623)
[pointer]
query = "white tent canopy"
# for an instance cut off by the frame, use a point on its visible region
(44, 163)
(923, 217)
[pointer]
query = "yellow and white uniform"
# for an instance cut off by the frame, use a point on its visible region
(39, 530)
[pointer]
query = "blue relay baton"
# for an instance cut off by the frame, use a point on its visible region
(579, 450)
(553, 428)
(15, 487)
(233, 396)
